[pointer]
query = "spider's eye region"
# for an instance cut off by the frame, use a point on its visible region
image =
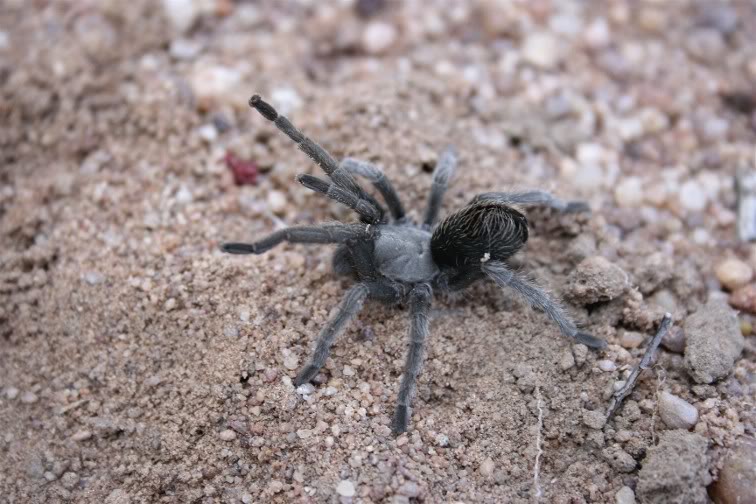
(478, 233)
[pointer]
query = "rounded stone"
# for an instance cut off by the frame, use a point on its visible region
(677, 413)
(733, 273)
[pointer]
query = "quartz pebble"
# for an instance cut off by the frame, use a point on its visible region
(541, 49)
(676, 413)
(378, 37)
(227, 435)
(629, 192)
(631, 339)
(606, 365)
(733, 273)
(345, 488)
(29, 397)
(625, 495)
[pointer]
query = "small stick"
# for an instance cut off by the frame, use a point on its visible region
(645, 363)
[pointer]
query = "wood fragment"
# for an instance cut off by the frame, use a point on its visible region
(616, 401)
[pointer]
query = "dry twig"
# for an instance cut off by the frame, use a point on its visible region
(645, 363)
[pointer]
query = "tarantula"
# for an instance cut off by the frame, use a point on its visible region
(395, 260)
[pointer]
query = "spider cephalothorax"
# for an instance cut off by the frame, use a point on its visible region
(404, 262)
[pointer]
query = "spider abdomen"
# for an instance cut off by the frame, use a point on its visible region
(403, 254)
(477, 233)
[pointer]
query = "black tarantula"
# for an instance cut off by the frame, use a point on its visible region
(399, 261)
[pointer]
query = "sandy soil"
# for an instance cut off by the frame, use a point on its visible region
(140, 364)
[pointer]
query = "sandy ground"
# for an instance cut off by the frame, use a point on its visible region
(140, 364)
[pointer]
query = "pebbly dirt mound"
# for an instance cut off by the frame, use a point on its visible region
(140, 364)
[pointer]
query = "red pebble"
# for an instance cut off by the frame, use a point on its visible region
(245, 172)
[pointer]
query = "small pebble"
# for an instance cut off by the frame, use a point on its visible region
(11, 393)
(82, 435)
(69, 480)
(692, 196)
(442, 440)
(594, 419)
(541, 49)
(306, 389)
(277, 202)
(676, 413)
(631, 339)
(487, 468)
(625, 495)
(29, 397)
(291, 361)
(409, 489)
(348, 371)
(345, 488)
(674, 340)
(733, 273)
(629, 192)
(567, 360)
(378, 37)
(606, 365)
(227, 435)
(93, 277)
(744, 299)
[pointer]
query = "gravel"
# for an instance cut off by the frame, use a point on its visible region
(733, 273)
(713, 341)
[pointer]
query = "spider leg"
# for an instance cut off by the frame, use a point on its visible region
(349, 307)
(379, 180)
(420, 302)
(318, 154)
(539, 298)
(528, 198)
(441, 175)
(324, 233)
(364, 208)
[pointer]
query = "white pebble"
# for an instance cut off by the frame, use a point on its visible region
(181, 13)
(606, 365)
(286, 100)
(227, 435)
(692, 196)
(11, 393)
(215, 82)
(345, 488)
(277, 202)
(93, 277)
(629, 192)
(305, 389)
(676, 413)
(541, 49)
(184, 49)
(331, 391)
(208, 133)
(442, 440)
(82, 435)
(625, 495)
(378, 37)
(348, 371)
(29, 397)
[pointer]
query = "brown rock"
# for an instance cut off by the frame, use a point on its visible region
(737, 479)
(744, 299)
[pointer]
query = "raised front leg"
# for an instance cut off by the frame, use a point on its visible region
(530, 198)
(536, 296)
(379, 180)
(420, 302)
(441, 175)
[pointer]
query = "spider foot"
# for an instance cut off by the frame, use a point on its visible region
(577, 207)
(590, 341)
(306, 375)
(401, 419)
